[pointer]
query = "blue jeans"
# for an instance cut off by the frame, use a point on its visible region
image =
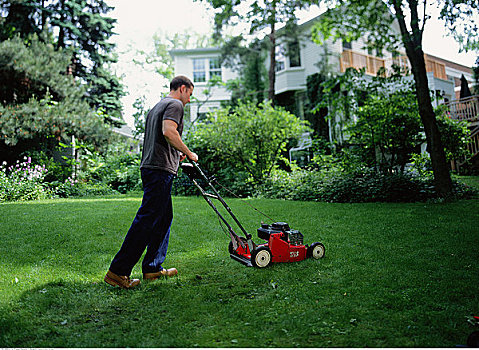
(150, 228)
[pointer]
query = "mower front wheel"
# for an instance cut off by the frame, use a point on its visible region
(316, 250)
(261, 257)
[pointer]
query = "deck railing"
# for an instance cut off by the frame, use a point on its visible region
(465, 109)
(473, 146)
(353, 59)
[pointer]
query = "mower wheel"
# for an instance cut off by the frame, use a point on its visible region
(261, 257)
(316, 250)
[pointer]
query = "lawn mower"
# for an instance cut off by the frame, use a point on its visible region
(282, 243)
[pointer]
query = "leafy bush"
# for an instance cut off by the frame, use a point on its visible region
(343, 187)
(22, 181)
(118, 168)
(249, 137)
(73, 188)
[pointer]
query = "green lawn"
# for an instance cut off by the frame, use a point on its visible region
(394, 275)
(472, 181)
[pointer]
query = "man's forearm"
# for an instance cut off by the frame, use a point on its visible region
(174, 139)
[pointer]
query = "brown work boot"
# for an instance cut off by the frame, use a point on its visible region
(163, 273)
(120, 281)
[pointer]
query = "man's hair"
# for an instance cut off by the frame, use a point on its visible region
(180, 80)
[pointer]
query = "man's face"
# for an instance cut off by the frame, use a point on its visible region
(185, 94)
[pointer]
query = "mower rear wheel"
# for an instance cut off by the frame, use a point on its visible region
(261, 257)
(316, 250)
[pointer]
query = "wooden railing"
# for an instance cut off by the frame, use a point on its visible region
(465, 109)
(473, 145)
(438, 68)
(353, 59)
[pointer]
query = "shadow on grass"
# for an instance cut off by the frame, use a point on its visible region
(69, 314)
(200, 308)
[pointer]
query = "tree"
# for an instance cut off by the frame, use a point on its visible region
(260, 15)
(248, 61)
(476, 77)
(251, 136)
(40, 105)
(81, 27)
(352, 18)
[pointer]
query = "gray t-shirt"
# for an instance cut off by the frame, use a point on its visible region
(157, 152)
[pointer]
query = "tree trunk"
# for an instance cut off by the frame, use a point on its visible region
(413, 43)
(442, 176)
(61, 29)
(272, 56)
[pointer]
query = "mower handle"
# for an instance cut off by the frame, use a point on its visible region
(194, 172)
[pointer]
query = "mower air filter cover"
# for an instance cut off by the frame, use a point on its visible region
(280, 226)
(264, 232)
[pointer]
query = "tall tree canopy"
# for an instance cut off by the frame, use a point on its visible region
(40, 104)
(350, 19)
(84, 29)
(260, 15)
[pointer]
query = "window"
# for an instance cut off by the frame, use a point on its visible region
(347, 45)
(280, 58)
(294, 54)
(205, 69)
(199, 70)
(215, 68)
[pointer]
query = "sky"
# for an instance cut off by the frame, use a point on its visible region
(139, 20)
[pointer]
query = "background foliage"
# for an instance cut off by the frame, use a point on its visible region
(251, 137)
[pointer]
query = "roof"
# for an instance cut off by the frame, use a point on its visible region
(195, 50)
(126, 131)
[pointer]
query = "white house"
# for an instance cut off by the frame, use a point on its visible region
(202, 64)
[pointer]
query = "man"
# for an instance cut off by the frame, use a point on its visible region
(163, 149)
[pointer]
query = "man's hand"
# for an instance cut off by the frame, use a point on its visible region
(193, 157)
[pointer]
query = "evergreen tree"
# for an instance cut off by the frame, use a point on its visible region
(81, 27)
(43, 105)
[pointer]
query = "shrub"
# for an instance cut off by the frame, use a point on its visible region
(249, 137)
(22, 181)
(73, 188)
(118, 168)
(343, 187)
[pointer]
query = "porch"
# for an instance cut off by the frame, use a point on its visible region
(467, 109)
